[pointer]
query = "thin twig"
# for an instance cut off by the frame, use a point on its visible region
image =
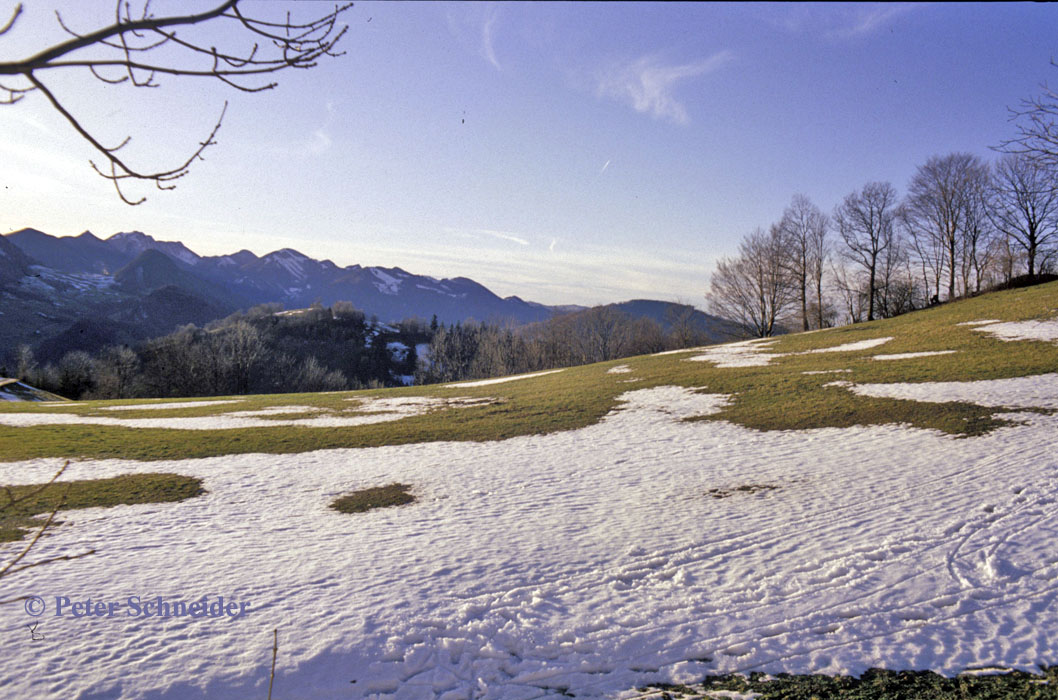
(275, 649)
(11, 22)
(293, 45)
(10, 568)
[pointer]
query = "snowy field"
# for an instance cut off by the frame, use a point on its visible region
(364, 412)
(590, 561)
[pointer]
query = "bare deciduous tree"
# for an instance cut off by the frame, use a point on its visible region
(804, 230)
(1024, 204)
(865, 221)
(941, 205)
(138, 47)
(115, 371)
(979, 229)
(754, 289)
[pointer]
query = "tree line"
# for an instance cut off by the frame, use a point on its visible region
(964, 225)
(480, 351)
(269, 350)
(264, 350)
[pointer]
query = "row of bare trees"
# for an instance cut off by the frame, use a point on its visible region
(479, 351)
(963, 226)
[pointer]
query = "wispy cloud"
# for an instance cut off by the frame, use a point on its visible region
(573, 274)
(479, 233)
(488, 50)
(834, 20)
(504, 236)
(320, 142)
(648, 85)
(867, 19)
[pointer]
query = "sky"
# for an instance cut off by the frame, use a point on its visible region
(567, 153)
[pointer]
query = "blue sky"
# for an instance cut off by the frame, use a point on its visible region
(564, 152)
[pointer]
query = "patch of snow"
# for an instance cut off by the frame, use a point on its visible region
(380, 410)
(910, 355)
(1038, 391)
(178, 251)
(499, 380)
(387, 284)
(850, 347)
(167, 405)
(435, 289)
(619, 369)
(36, 283)
(590, 560)
(290, 260)
(277, 410)
(750, 353)
(979, 323)
(397, 350)
(675, 352)
(825, 371)
(745, 353)
(1023, 330)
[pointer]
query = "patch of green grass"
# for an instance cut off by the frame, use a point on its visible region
(779, 396)
(20, 504)
(375, 497)
(875, 684)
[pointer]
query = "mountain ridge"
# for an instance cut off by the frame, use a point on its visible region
(107, 278)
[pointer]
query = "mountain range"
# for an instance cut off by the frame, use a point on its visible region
(82, 292)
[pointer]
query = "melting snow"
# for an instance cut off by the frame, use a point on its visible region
(387, 284)
(746, 353)
(171, 404)
(500, 380)
(1023, 330)
(849, 347)
(750, 353)
(1035, 391)
(380, 410)
(619, 369)
(290, 260)
(910, 355)
(590, 560)
(680, 350)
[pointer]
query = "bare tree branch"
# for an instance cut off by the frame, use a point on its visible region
(1036, 121)
(118, 169)
(11, 500)
(11, 22)
(276, 46)
(11, 568)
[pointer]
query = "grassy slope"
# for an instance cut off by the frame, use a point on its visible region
(774, 397)
(19, 505)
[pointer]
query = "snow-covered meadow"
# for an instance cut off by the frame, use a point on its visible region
(590, 561)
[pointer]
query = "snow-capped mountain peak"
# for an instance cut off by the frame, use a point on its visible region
(135, 242)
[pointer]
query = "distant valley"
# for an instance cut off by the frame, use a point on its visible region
(84, 292)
